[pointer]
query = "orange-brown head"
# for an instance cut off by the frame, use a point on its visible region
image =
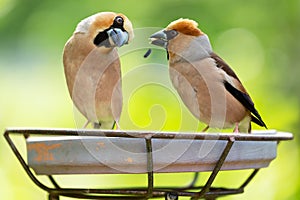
(183, 40)
(185, 26)
(106, 29)
(176, 28)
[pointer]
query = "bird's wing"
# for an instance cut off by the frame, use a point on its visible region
(241, 96)
(224, 66)
(245, 99)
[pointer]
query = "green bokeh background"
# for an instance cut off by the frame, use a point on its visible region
(259, 39)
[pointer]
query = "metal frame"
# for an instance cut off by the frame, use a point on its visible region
(170, 193)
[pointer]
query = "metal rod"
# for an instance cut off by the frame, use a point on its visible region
(249, 179)
(53, 182)
(216, 169)
(101, 197)
(192, 184)
(217, 192)
(23, 163)
(143, 134)
(149, 166)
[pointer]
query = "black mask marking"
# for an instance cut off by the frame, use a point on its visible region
(102, 38)
(118, 23)
(171, 34)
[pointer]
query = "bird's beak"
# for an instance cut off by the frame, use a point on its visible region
(117, 37)
(160, 39)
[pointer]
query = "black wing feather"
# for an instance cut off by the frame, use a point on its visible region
(242, 97)
(246, 101)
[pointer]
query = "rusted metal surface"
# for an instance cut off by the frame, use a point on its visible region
(102, 155)
(44, 152)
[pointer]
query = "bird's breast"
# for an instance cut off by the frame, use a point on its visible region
(200, 86)
(94, 82)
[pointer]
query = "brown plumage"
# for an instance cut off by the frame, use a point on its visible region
(92, 66)
(207, 85)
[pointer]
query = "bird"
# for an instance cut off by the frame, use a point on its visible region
(92, 67)
(207, 85)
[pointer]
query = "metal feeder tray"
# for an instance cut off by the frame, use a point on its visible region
(89, 151)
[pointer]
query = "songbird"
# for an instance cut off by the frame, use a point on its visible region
(92, 66)
(209, 88)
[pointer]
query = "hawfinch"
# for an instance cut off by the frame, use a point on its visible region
(92, 66)
(206, 84)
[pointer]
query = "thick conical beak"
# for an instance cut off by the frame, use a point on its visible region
(117, 37)
(160, 39)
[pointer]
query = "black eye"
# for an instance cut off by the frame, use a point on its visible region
(119, 20)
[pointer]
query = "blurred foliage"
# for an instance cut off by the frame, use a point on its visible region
(258, 38)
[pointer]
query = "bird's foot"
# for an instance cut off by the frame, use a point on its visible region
(236, 128)
(117, 125)
(97, 125)
(86, 124)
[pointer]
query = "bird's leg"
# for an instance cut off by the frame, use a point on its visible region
(236, 128)
(205, 129)
(116, 123)
(97, 125)
(86, 124)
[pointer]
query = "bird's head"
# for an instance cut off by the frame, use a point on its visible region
(106, 29)
(176, 30)
(179, 36)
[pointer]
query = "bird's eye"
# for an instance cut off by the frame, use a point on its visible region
(173, 33)
(119, 20)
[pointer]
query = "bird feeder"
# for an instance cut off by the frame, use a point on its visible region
(88, 151)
